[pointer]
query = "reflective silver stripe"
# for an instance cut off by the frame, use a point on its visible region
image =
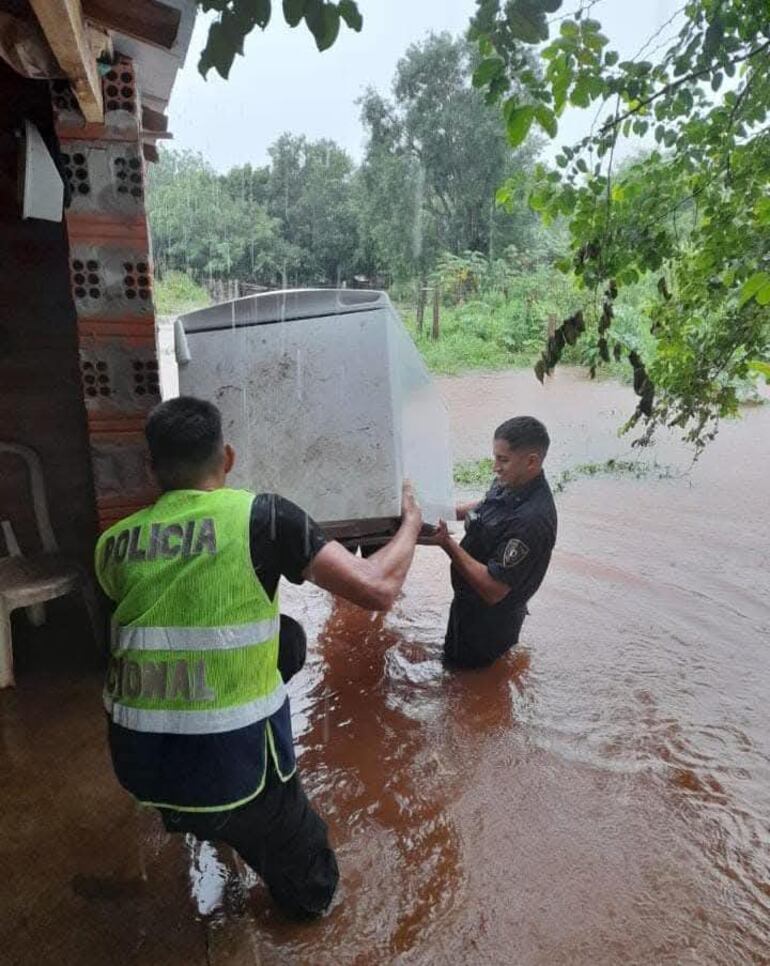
(195, 722)
(195, 638)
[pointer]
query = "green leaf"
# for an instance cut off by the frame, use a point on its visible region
(323, 20)
(582, 166)
(580, 96)
(219, 51)
(611, 58)
(234, 30)
(503, 196)
(763, 295)
(567, 201)
(263, 12)
(762, 211)
(547, 120)
(527, 22)
(293, 11)
(487, 70)
(562, 75)
(351, 14)
(752, 286)
(518, 122)
(538, 200)
(550, 6)
(714, 35)
(251, 13)
(716, 81)
(331, 17)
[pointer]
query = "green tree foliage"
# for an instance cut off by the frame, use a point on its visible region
(309, 193)
(694, 210)
(201, 227)
(291, 222)
(438, 140)
(434, 159)
(237, 18)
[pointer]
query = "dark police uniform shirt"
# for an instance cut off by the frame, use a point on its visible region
(210, 771)
(513, 532)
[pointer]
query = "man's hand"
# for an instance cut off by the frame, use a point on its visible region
(463, 509)
(374, 582)
(439, 538)
(490, 590)
(410, 508)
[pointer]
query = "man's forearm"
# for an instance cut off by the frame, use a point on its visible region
(394, 559)
(476, 574)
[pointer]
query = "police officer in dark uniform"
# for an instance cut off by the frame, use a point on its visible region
(505, 552)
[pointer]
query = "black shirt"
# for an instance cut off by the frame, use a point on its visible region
(283, 540)
(513, 532)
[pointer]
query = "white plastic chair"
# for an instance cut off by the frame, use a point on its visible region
(30, 581)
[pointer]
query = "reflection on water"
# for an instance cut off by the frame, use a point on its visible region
(600, 796)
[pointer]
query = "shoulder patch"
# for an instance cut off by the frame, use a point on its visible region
(515, 551)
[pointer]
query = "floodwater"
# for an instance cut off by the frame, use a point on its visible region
(600, 796)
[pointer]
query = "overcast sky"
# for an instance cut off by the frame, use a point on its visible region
(284, 84)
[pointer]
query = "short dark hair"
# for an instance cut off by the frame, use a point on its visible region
(184, 436)
(524, 432)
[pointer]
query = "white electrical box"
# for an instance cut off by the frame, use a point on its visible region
(326, 401)
(41, 186)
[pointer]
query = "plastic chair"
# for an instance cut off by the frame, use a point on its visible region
(31, 581)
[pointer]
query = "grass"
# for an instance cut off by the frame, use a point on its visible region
(473, 472)
(638, 469)
(467, 342)
(493, 327)
(478, 473)
(504, 328)
(176, 293)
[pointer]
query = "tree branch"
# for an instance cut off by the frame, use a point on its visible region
(676, 84)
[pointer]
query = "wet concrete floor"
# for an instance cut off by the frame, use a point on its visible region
(600, 796)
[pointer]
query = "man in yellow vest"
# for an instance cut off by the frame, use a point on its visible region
(199, 718)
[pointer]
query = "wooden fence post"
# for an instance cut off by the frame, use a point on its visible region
(420, 305)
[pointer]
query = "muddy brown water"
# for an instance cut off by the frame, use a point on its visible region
(600, 796)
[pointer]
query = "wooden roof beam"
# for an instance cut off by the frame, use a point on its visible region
(70, 40)
(154, 121)
(147, 20)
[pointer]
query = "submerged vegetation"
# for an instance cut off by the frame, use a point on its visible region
(477, 474)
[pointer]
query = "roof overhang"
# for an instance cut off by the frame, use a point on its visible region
(83, 34)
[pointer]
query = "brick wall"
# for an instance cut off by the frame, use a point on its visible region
(110, 266)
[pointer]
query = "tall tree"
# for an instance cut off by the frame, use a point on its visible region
(200, 227)
(310, 194)
(448, 149)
